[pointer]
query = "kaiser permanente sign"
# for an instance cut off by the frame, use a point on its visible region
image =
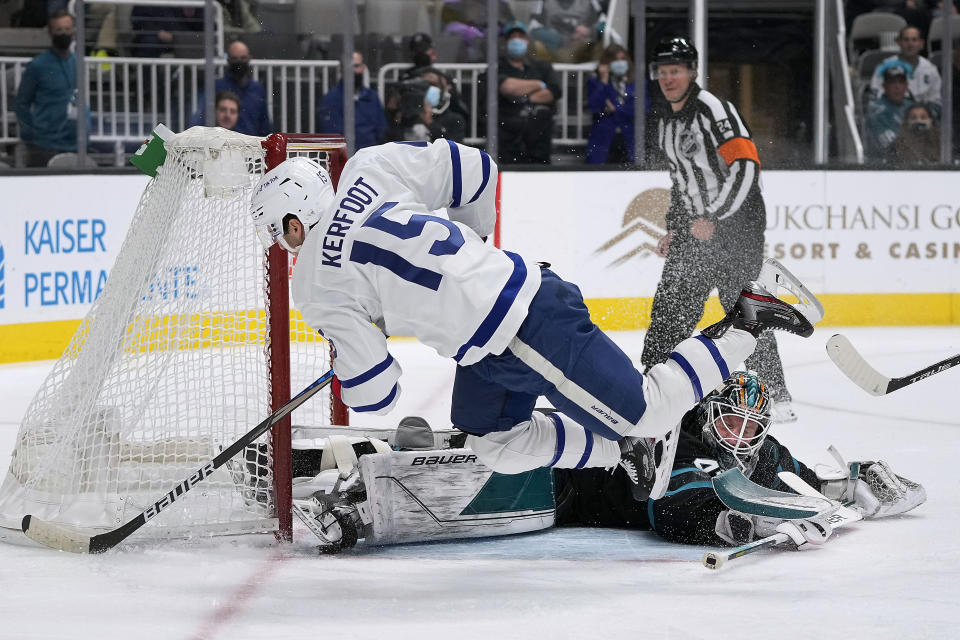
(877, 247)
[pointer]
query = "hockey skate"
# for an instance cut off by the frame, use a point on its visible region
(333, 508)
(759, 308)
(648, 463)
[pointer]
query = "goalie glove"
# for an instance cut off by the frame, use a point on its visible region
(738, 528)
(872, 486)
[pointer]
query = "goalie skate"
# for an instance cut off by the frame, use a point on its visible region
(759, 308)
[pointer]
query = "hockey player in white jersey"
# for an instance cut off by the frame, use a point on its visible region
(398, 251)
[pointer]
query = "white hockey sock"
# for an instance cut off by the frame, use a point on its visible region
(544, 441)
(695, 368)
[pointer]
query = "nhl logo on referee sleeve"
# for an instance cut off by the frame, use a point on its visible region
(688, 144)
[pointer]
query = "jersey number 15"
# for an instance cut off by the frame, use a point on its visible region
(366, 253)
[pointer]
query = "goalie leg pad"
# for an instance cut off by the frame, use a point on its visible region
(415, 496)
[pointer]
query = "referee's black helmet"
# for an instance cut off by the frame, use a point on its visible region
(673, 51)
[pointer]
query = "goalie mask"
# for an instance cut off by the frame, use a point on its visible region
(735, 419)
(297, 187)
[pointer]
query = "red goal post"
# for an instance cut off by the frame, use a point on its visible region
(330, 151)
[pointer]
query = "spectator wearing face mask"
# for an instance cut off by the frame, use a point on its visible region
(46, 103)
(610, 96)
(528, 91)
(449, 112)
(369, 116)
(413, 113)
(918, 142)
(254, 118)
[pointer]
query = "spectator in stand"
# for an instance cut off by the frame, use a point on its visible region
(528, 92)
(413, 116)
(918, 143)
(228, 110)
(370, 119)
(155, 28)
(610, 95)
(254, 119)
(422, 54)
(449, 111)
(568, 30)
(46, 103)
(885, 114)
(923, 78)
(468, 20)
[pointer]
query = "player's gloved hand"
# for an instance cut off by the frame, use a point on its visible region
(738, 528)
(804, 532)
(871, 486)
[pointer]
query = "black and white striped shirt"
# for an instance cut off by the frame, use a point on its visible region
(713, 162)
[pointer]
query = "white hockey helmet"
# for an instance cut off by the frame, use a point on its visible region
(299, 187)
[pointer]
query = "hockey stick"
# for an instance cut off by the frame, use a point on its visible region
(843, 515)
(852, 364)
(65, 538)
(716, 559)
(737, 492)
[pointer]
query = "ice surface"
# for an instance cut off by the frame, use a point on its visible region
(894, 578)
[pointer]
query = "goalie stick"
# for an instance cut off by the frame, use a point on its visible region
(852, 364)
(843, 515)
(66, 538)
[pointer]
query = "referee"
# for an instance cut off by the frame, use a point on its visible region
(716, 220)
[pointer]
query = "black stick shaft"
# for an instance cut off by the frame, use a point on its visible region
(943, 365)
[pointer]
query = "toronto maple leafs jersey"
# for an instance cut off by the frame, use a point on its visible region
(440, 175)
(385, 263)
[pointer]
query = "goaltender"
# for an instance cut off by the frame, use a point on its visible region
(729, 429)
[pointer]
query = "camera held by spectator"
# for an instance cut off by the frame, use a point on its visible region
(410, 110)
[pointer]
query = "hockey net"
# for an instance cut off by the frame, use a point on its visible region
(191, 343)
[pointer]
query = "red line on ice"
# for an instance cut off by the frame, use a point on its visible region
(234, 603)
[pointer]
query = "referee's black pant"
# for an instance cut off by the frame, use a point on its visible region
(691, 271)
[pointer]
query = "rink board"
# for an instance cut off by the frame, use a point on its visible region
(875, 252)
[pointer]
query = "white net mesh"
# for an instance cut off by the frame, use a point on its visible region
(169, 365)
